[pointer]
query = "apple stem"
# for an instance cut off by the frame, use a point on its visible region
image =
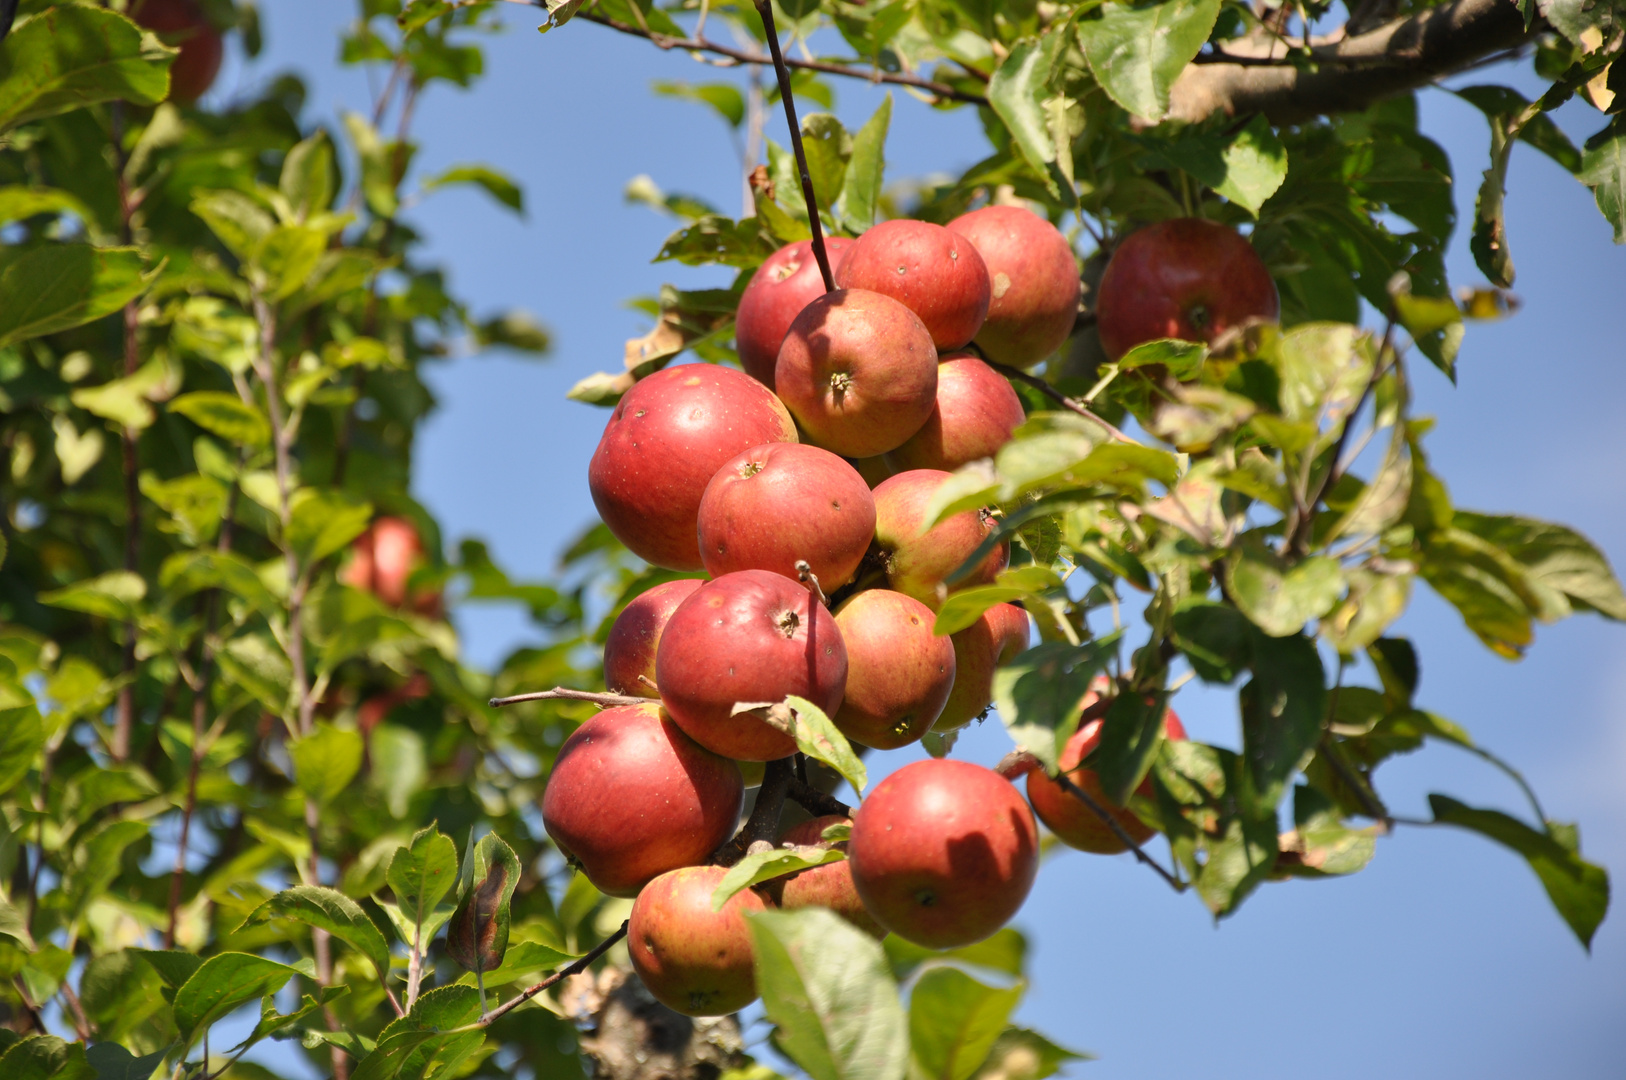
(565, 693)
(805, 574)
(647, 681)
(1027, 379)
(765, 9)
(763, 823)
(1118, 830)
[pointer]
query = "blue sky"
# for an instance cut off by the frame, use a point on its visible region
(1443, 958)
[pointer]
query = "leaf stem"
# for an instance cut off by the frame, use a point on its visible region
(765, 9)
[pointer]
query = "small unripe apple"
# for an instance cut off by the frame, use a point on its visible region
(830, 886)
(858, 371)
(694, 960)
(629, 651)
(181, 24)
(781, 503)
(918, 559)
(750, 636)
(786, 282)
(975, 413)
(665, 440)
(382, 561)
(898, 672)
(1184, 278)
(934, 272)
(1034, 278)
(943, 852)
(996, 638)
(1066, 815)
(631, 797)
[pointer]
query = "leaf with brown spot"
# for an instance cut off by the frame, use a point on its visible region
(477, 937)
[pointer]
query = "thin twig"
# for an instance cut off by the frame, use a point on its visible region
(559, 976)
(1071, 404)
(124, 713)
(564, 693)
(740, 56)
(1118, 830)
(765, 10)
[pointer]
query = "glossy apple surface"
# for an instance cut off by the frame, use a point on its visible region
(830, 886)
(1066, 815)
(629, 651)
(899, 673)
(918, 559)
(181, 24)
(943, 852)
(932, 271)
(1183, 278)
(665, 440)
(1034, 283)
(694, 960)
(858, 371)
(780, 503)
(975, 412)
(782, 286)
(996, 638)
(750, 636)
(630, 797)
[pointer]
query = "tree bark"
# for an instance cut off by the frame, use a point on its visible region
(628, 1035)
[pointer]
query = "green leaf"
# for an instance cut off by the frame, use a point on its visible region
(762, 866)
(239, 221)
(422, 873)
(45, 1057)
(1555, 556)
(288, 258)
(1019, 92)
(325, 761)
(330, 910)
(1603, 169)
(1020, 1054)
(18, 202)
(59, 286)
(821, 740)
(478, 933)
(525, 958)
(1320, 844)
(73, 56)
(408, 1046)
(1283, 708)
(325, 521)
(1040, 694)
(1216, 638)
(399, 766)
(1138, 51)
(1540, 132)
(1183, 359)
(826, 987)
(188, 572)
(1247, 168)
(120, 992)
(717, 239)
(1489, 240)
(307, 176)
(1489, 590)
(1225, 842)
(954, 1021)
(1006, 951)
(173, 966)
(225, 415)
(221, 985)
(378, 181)
(113, 595)
(494, 183)
(1130, 733)
(22, 737)
(113, 1062)
(1278, 596)
(861, 186)
(723, 98)
(1578, 889)
(272, 1021)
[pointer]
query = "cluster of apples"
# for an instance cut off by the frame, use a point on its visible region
(826, 588)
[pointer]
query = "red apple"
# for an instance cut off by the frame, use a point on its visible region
(830, 886)
(994, 639)
(1035, 283)
(898, 672)
(918, 559)
(936, 273)
(1185, 278)
(1066, 815)
(631, 797)
(666, 439)
(858, 371)
(943, 852)
(975, 413)
(694, 960)
(180, 23)
(782, 286)
(780, 503)
(382, 560)
(750, 636)
(629, 651)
